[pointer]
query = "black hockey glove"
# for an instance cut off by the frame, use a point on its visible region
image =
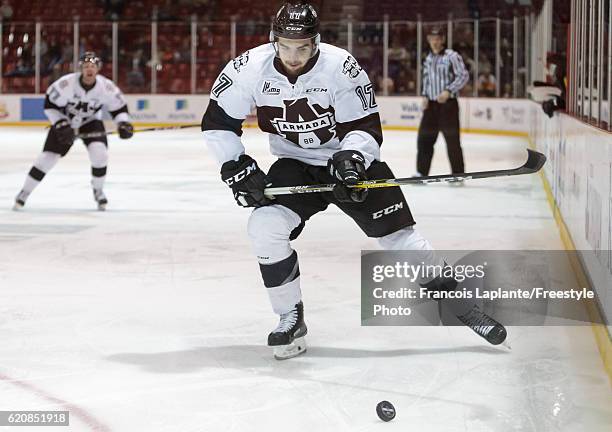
(64, 134)
(347, 167)
(125, 129)
(246, 180)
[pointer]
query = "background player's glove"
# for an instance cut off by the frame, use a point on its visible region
(125, 129)
(246, 180)
(63, 132)
(347, 167)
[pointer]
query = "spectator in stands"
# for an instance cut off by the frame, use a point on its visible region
(54, 55)
(27, 55)
(401, 83)
(6, 11)
(386, 85)
(164, 12)
(507, 93)
(67, 51)
(22, 69)
(113, 9)
(56, 72)
(106, 53)
(44, 49)
(507, 61)
(182, 54)
(486, 84)
(82, 45)
(398, 60)
(135, 77)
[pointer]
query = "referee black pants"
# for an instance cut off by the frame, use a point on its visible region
(439, 117)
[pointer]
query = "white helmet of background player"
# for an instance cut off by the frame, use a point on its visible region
(296, 20)
(90, 57)
(90, 65)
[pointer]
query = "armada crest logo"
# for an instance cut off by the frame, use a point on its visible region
(304, 124)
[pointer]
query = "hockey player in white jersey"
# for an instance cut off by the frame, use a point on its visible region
(74, 103)
(319, 108)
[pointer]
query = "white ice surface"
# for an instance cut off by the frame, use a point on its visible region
(152, 316)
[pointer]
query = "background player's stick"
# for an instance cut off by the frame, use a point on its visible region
(535, 161)
(101, 134)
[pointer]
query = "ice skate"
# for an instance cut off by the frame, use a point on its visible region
(287, 339)
(485, 326)
(20, 200)
(100, 198)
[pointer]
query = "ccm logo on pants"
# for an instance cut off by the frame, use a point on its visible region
(388, 210)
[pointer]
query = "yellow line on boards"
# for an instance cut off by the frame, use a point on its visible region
(600, 331)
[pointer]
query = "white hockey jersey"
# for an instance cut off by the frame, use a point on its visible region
(329, 107)
(67, 99)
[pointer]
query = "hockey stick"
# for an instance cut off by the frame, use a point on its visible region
(101, 134)
(535, 161)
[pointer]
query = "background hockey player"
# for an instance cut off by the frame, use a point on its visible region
(318, 106)
(74, 103)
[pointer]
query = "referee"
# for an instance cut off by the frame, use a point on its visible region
(444, 75)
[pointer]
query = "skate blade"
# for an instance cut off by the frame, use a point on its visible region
(294, 349)
(17, 207)
(101, 207)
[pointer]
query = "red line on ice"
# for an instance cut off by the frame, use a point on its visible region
(74, 410)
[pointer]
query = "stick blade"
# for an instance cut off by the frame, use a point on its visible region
(535, 161)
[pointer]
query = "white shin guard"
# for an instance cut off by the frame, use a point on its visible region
(98, 156)
(42, 165)
(269, 229)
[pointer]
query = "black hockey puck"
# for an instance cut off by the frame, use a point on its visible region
(385, 410)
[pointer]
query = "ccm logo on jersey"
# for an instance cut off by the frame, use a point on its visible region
(269, 90)
(391, 209)
(316, 90)
(242, 174)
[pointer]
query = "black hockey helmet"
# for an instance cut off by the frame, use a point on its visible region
(90, 57)
(296, 20)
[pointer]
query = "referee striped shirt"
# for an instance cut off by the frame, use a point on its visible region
(444, 71)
